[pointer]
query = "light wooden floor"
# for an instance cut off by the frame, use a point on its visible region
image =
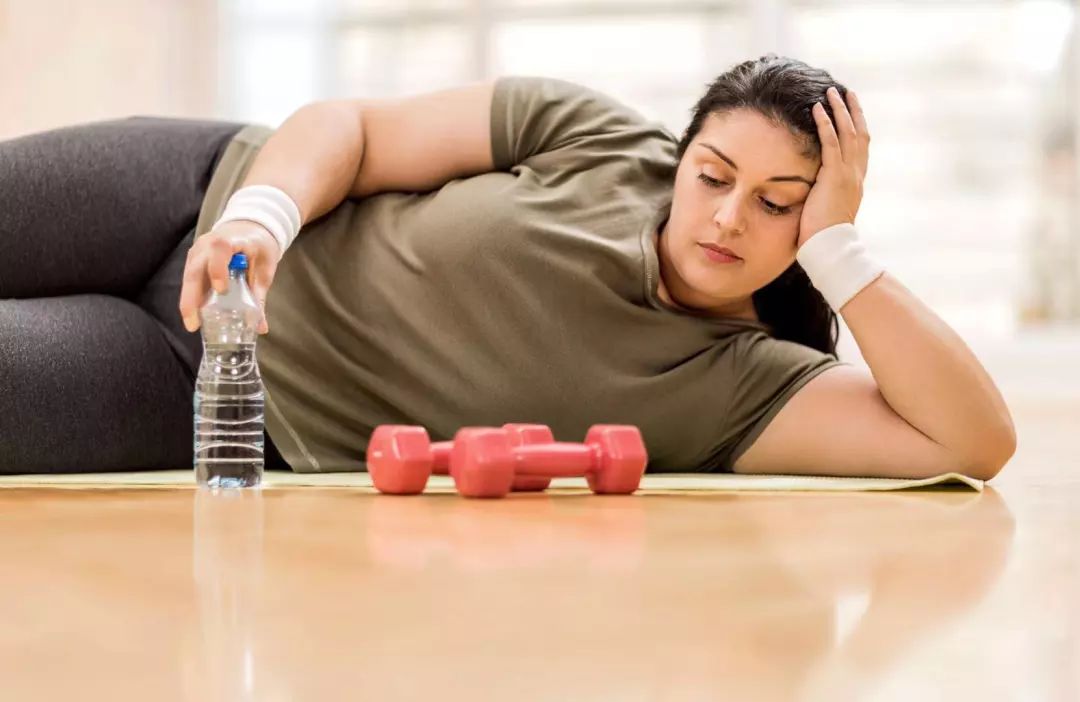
(314, 594)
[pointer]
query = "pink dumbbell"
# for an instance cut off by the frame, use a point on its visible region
(485, 463)
(400, 458)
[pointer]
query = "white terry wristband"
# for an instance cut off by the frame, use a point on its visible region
(838, 264)
(268, 206)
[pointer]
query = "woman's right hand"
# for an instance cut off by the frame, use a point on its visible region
(208, 265)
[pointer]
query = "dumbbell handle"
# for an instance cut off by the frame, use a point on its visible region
(560, 459)
(555, 459)
(440, 452)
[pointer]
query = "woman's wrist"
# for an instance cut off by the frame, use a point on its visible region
(267, 206)
(838, 264)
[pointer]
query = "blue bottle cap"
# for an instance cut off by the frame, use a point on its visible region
(238, 262)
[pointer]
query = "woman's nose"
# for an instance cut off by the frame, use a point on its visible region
(730, 214)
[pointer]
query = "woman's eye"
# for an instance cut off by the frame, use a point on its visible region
(770, 207)
(775, 209)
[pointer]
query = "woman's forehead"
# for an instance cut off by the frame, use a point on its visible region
(756, 143)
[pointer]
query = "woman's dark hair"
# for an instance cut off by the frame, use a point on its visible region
(784, 90)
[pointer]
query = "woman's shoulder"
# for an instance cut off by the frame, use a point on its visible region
(553, 118)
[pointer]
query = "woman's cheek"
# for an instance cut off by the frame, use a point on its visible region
(785, 232)
(778, 248)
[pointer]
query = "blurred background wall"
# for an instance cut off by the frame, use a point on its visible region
(65, 61)
(972, 191)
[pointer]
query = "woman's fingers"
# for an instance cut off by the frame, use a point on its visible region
(845, 127)
(830, 144)
(263, 273)
(857, 115)
(218, 257)
(859, 118)
(208, 262)
(193, 289)
(259, 292)
(261, 277)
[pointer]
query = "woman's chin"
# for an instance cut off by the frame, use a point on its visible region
(707, 296)
(710, 283)
(706, 293)
(703, 287)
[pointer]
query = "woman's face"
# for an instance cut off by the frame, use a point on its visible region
(741, 184)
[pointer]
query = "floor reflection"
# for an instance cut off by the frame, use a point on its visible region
(760, 596)
(227, 568)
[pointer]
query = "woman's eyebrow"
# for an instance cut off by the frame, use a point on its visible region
(722, 155)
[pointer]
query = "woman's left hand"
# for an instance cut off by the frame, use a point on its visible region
(845, 152)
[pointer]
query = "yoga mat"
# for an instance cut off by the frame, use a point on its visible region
(667, 483)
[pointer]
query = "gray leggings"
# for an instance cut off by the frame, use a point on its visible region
(96, 368)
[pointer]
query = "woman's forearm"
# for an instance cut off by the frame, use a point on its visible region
(929, 376)
(314, 156)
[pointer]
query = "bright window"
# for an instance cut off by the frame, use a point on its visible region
(950, 88)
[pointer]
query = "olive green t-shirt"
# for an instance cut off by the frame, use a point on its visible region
(528, 294)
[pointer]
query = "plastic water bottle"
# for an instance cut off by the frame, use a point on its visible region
(229, 391)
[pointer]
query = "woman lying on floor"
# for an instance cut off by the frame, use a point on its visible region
(525, 250)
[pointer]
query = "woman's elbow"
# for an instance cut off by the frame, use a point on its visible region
(996, 452)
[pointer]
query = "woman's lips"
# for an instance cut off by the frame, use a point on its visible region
(717, 256)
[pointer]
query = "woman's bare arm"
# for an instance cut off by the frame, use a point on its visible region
(328, 151)
(926, 406)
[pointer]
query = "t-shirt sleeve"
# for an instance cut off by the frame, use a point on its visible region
(536, 116)
(767, 372)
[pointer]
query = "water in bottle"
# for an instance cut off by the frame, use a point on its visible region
(229, 390)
